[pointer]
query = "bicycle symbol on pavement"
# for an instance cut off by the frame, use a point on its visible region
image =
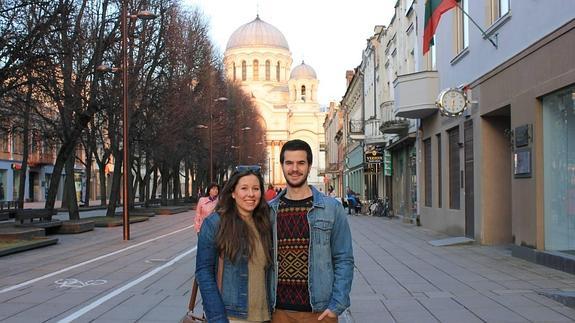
(75, 283)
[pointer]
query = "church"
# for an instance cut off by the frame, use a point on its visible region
(258, 57)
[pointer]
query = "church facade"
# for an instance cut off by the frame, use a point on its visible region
(258, 58)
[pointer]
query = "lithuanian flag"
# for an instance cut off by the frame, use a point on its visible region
(433, 11)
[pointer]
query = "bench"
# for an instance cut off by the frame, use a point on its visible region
(27, 217)
(153, 202)
(7, 209)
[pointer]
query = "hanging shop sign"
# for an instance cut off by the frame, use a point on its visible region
(374, 155)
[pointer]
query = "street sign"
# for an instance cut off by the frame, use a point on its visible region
(387, 166)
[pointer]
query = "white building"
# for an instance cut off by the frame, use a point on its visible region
(257, 56)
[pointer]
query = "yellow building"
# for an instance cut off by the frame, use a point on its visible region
(257, 56)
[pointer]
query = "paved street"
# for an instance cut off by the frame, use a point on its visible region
(399, 277)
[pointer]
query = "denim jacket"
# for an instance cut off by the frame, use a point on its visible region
(330, 264)
(233, 301)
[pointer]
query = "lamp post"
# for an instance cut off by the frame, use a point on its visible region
(144, 15)
(211, 127)
(239, 145)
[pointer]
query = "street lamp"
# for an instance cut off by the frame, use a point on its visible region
(211, 126)
(144, 15)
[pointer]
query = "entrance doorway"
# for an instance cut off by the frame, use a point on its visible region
(496, 188)
(469, 182)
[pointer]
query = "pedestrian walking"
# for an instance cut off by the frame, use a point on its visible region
(206, 205)
(313, 253)
(270, 193)
(239, 231)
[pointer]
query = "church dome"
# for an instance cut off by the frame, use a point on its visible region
(303, 71)
(257, 33)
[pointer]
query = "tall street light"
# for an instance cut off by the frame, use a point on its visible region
(144, 15)
(211, 126)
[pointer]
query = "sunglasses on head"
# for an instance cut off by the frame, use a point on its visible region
(248, 168)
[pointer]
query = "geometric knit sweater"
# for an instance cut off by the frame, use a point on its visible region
(293, 253)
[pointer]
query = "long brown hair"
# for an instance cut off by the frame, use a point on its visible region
(233, 230)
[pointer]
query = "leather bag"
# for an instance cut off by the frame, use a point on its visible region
(190, 317)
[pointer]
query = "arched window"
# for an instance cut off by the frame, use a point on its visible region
(244, 70)
(278, 72)
(234, 71)
(256, 70)
(303, 92)
(268, 67)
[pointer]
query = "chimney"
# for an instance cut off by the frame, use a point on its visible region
(348, 76)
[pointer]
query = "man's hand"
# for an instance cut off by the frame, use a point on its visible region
(327, 313)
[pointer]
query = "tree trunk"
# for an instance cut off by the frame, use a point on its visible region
(70, 189)
(165, 182)
(88, 178)
(186, 180)
(24, 168)
(176, 181)
(102, 173)
(116, 180)
(155, 184)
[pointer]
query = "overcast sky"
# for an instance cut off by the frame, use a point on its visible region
(329, 35)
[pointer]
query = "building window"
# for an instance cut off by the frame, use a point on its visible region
(278, 72)
(427, 166)
(256, 68)
(439, 174)
(303, 92)
(559, 169)
(244, 70)
(4, 141)
(454, 169)
(499, 8)
(462, 27)
(234, 71)
(17, 143)
(268, 68)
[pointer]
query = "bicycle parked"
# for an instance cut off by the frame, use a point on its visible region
(380, 207)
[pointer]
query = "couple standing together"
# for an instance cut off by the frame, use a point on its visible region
(289, 261)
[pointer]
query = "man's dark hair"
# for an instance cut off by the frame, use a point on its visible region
(296, 144)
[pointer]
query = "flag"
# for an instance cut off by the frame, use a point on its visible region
(433, 11)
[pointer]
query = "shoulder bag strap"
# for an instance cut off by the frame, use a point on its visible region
(219, 281)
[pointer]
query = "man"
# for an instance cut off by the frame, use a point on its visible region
(313, 255)
(270, 193)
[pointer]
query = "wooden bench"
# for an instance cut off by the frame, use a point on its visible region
(27, 217)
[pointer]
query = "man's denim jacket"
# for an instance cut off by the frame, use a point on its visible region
(233, 301)
(330, 271)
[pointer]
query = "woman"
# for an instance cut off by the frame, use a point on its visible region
(206, 205)
(240, 232)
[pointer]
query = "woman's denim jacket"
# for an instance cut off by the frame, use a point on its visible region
(233, 301)
(330, 270)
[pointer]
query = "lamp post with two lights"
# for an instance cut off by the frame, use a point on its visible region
(210, 128)
(144, 15)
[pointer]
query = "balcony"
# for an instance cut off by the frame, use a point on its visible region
(37, 159)
(415, 94)
(356, 131)
(390, 124)
(372, 133)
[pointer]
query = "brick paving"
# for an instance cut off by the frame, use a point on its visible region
(399, 277)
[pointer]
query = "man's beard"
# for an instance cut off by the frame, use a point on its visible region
(298, 184)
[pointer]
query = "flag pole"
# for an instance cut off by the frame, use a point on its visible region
(494, 43)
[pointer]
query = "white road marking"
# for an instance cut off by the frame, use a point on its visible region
(26, 283)
(76, 283)
(129, 285)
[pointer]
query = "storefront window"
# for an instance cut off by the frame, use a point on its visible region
(559, 169)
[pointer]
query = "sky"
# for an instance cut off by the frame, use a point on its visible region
(329, 35)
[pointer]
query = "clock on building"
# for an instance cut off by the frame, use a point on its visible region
(452, 102)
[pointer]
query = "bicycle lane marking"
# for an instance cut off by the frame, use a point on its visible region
(31, 281)
(118, 291)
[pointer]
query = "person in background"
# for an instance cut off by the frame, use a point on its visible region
(270, 193)
(206, 205)
(239, 231)
(313, 252)
(351, 201)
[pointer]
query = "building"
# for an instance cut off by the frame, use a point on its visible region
(333, 126)
(504, 170)
(257, 56)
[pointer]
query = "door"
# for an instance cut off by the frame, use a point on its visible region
(468, 171)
